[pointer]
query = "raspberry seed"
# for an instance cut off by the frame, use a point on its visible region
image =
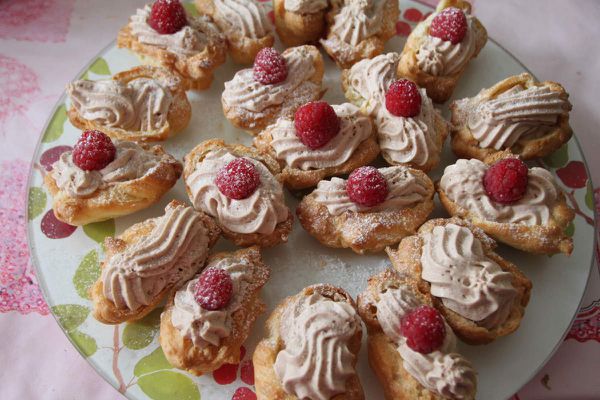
(403, 99)
(316, 124)
(506, 181)
(238, 179)
(93, 151)
(367, 187)
(424, 329)
(269, 67)
(214, 289)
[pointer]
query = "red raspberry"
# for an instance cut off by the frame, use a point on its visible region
(214, 289)
(506, 181)
(167, 17)
(424, 329)
(316, 124)
(269, 67)
(449, 25)
(238, 179)
(403, 99)
(93, 151)
(367, 186)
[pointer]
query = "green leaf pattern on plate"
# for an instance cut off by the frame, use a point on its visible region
(86, 274)
(70, 316)
(168, 385)
(139, 334)
(570, 229)
(36, 202)
(85, 343)
(56, 126)
(589, 196)
(98, 67)
(99, 230)
(559, 158)
(153, 362)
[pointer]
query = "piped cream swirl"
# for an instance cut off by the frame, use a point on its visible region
(462, 182)
(253, 99)
(188, 41)
(438, 57)
(356, 21)
(259, 213)
(131, 162)
(205, 327)
(442, 371)
(305, 6)
(170, 254)
(405, 190)
(355, 128)
(244, 18)
(517, 113)
(467, 281)
(139, 105)
(316, 362)
(369, 79)
(411, 140)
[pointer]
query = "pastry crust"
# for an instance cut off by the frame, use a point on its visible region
(268, 386)
(364, 231)
(242, 49)
(118, 199)
(406, 259)
(240, 118)
(197, 154)
(104, 310)
(439, 88)
(368, 48)
(384, 358)
(178, 116)
(440, 125)
(538, 239)
(295, 29)
(465, 145)
(181, 352)
(196, 71)
(296, 178)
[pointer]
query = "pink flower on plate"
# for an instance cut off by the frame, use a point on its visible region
(587, 324)
(18, 87)
(35, 20)
(19, 290)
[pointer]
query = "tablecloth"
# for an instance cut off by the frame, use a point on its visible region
(44, 43)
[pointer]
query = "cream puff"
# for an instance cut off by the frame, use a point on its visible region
(311, 348)
(100, 179)
(481, 295)
(412, 349)
(244, 23)
(275, 87)
(141, 104)
(518, 114)
(359, 29)
(300, 22)
(207, 320)
(149, 259)
(520, 206)
(165, 34)
(439, 48)
(409, 129)
(241, 188)
(373, 209)
(318, 142)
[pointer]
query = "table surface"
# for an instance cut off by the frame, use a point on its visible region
(44, 43)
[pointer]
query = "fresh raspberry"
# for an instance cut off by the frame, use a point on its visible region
(269, 67)
(316, 124)
(367, 186)
(449, 25)
(214, 289)
(506, 181)
(238, 179)
(403, 99)
(424, 329)
(167, 16)
(93, 151)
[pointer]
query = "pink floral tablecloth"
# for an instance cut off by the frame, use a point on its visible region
(44, 43)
